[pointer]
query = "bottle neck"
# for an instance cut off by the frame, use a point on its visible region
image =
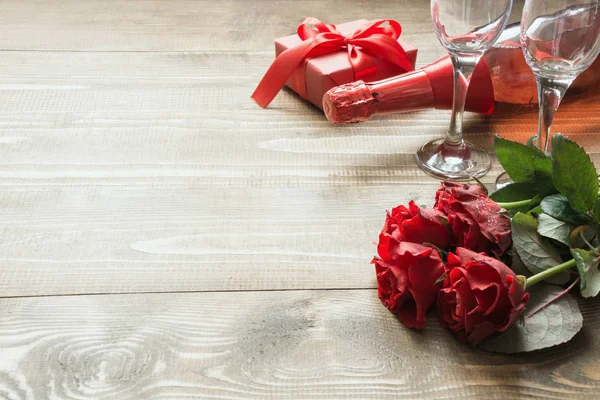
(432, 87)
(408, 92)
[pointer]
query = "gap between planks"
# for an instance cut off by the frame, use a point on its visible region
(63, 51)
(188, 292)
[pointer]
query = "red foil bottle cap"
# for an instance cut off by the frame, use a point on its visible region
(349, 103)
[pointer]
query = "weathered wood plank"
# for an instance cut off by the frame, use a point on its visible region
(171, 109)
(180, 25)
(298, 344)
(153, 172)
(125, 238)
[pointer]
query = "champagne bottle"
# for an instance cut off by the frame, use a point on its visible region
(502, 76)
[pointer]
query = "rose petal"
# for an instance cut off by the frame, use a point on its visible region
(413, 224)
(407, 282)
(481, 292)
(477, 221)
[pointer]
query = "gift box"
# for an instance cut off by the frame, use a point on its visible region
(320, 57)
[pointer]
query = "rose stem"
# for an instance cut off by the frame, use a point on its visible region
(532, 280)
(521, 203)
(517, 204)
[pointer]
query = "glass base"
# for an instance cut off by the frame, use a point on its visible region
(503, 180)
(454, 162)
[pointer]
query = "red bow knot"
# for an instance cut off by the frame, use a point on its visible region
(377, 38)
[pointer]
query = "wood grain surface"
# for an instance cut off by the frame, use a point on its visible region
(161, 236)
(184, 25)
(251, 345)
(119, 179)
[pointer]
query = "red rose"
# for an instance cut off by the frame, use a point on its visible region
(413, 224)
(407, 281)
(480, 296)
(478, 223)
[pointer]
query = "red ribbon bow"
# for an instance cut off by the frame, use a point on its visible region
(377, 38)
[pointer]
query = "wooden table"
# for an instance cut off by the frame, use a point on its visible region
(161, 236)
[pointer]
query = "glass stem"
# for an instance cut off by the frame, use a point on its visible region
(463, 70)
(550, 93)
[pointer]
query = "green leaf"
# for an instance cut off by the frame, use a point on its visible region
(583, 235)
(587, 265)
(596, 211)
(557, 206)
(517, 264)
(545, 187)
(574, 174)
(552, 228)
(555, 324)
(515, 191)
(536, 252)
(536, 210)
(595, 240)
(522, 162)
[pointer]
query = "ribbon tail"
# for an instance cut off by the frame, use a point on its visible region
(283, 67)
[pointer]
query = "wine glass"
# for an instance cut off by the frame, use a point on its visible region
(560, 40)
(466, 29)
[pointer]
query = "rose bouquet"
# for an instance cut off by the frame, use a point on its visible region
(499, 267)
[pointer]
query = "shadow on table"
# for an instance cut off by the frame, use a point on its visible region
(571, 368)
